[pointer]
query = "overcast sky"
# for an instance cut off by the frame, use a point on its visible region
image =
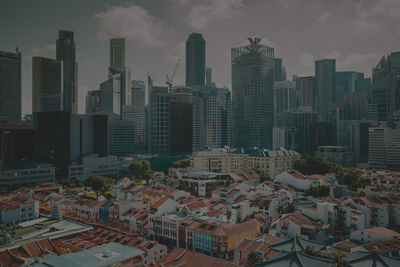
(355, 32)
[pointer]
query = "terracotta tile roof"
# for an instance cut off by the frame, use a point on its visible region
(382, 231)
(7, 259)
(159, 203)
(295, 174)
(233, 192)
(384, 246)
(301, 220)
(195, 205)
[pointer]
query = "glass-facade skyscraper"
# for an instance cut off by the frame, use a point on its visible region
(195, 60)
(47, 84)
(10, 85)
(252, 95)
(66, 51)
(325, 85)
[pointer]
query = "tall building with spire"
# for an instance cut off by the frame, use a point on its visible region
(195, 60)
(66, 51)
(252, 95)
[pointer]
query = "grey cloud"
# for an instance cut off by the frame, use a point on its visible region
(132, 22)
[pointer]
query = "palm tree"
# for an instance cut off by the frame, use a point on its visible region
(339, 260)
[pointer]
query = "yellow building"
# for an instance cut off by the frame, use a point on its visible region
(222, 160)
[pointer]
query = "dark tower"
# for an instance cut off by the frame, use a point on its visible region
(195, 60)
(66, 51)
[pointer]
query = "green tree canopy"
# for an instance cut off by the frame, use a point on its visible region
(140, 169)
(182, 163)
(99, 184)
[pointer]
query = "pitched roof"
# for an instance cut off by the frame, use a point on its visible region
(382, 231)
(372, 259)
(297, 259)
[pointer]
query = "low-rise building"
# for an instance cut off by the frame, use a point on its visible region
(203, 183)
(25, 173)
(374, 234)
(301, 182)
(336, 154)
(95, 166)
(18, 209)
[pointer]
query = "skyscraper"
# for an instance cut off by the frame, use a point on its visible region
(10, 85)
(181, 120)
(158, 119)
(325, 85)
(93, 102)
(253, 94)
(346, 81)
(117, 53)
(382, 96)
(278, 70)
(195, 60)
(117, 66)
(284, 96)
(138, 94)
(306, 89)
(66, 51)
(211, 118)
(47, 84)
(110, 100)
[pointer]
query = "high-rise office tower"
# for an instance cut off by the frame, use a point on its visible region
(384, 147)
(110, 100)
(10, 85)
(117, 53)
(211, 118)
(137, 115)
(159, 119)
(306, 90)
(349, 81)
(181, 120)
(117, 66)
(47, 84)
(382, 95)
(284, 96)
(62, 137)
(121, 136)
(208, 77)
(138, 93)
(394, 59)
(252, 95)
(298, 124)
(93, 102)
(195, 60)
(66, 51)
(278, 70)
(325, 85)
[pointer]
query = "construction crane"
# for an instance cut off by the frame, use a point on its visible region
(171, 80)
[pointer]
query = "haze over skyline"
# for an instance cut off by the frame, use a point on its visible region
(356, 33)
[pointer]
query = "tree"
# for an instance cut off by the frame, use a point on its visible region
(99, 184)
(183, 163)
(319, 191)
(339, 259)
(140, 170)
(309, 250)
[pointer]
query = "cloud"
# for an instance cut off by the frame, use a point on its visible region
(131, 22)
(306, 60)
(40, 51)
(324, 18)
(201, 14)
(357, 60)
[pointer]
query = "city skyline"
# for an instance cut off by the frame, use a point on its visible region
(371, 32)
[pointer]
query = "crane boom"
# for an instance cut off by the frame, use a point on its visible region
(170, 80)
